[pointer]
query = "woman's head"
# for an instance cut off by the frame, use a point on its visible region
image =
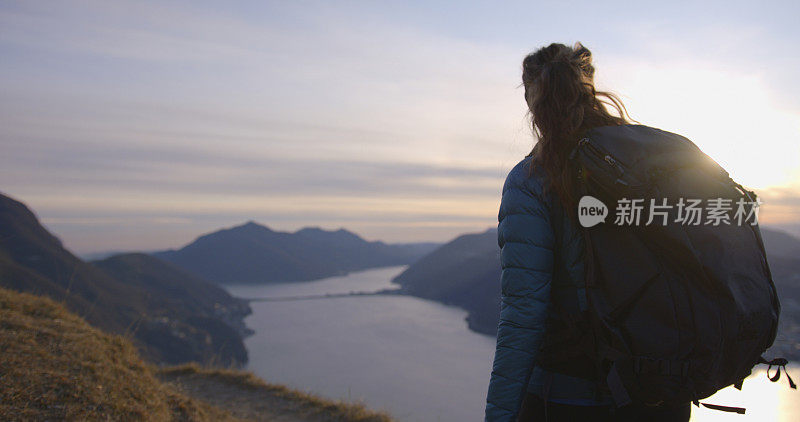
(563, 102)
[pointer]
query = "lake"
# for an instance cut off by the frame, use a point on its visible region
(412, 357)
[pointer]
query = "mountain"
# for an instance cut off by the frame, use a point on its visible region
(253, 253)
(55, 366)
(155, 303)
(466, 272)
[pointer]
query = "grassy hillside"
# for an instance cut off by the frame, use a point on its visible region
(55, 366)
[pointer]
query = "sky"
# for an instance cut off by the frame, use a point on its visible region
(141, 125)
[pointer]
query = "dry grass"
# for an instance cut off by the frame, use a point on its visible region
(53, 365)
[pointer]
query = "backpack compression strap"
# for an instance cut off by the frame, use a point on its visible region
(778, 363)
(739, 410)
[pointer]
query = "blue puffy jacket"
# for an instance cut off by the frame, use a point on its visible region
(529, 242)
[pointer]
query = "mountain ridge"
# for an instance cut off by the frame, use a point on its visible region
(254, 253)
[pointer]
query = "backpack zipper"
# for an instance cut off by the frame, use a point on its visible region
(601, 153)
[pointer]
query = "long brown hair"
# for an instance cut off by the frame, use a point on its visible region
(563, 103)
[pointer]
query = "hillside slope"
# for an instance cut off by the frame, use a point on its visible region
(464, 272)
(33, 260)
(181, 303)
(54, 366)
(160, 305)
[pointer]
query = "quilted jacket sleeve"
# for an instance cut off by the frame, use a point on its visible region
(526, 239)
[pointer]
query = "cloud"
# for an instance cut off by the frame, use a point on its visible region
(395, 119)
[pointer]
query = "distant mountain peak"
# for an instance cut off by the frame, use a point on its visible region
(249, 226)
(343, 230)
(252, 253)
(253, 224)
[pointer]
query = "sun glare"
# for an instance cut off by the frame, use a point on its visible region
(731, 116)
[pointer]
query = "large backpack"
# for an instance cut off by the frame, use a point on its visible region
(675, 310)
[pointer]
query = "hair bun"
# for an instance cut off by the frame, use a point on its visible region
(581, 50)
(583, 57)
